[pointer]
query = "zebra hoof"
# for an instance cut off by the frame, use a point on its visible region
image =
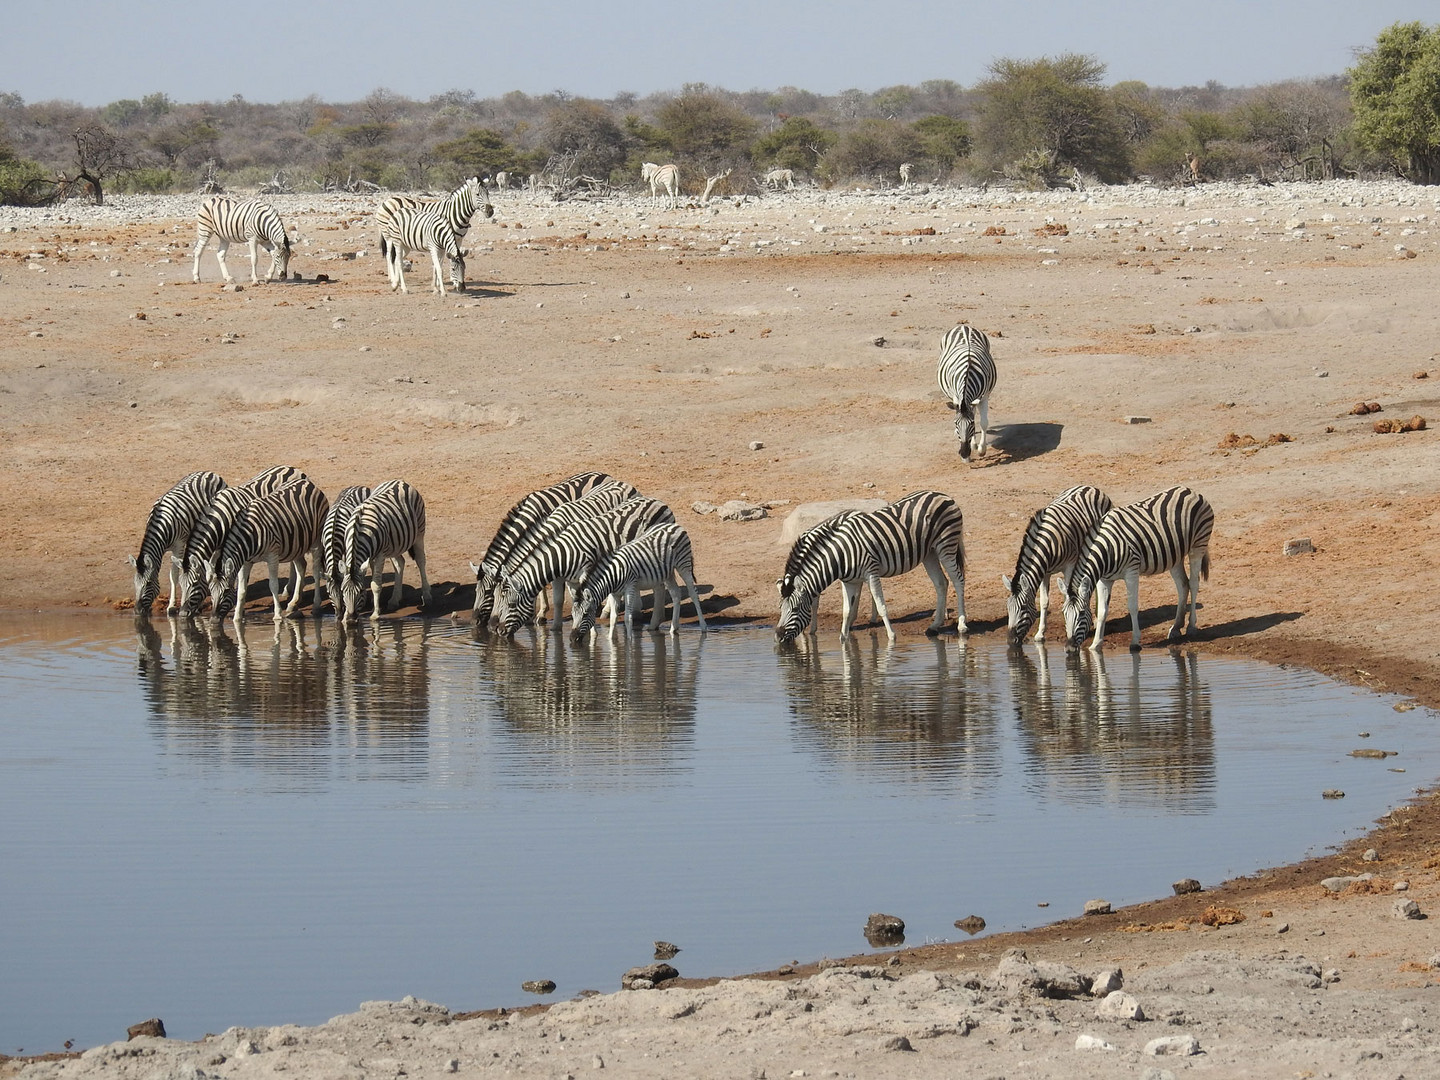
(932, 631)
(1134, 646)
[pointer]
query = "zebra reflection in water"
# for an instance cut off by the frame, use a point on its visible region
(897, 713)
(1149, 742)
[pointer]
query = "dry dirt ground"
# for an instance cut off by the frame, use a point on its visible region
(658, 345)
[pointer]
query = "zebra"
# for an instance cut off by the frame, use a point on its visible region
(519, 521)
(168, 529)
(967, 378)
(332, 540)
(230, 222)
(800, 551)
(387, 525)
(905, 174)
(924, 528)
(279, 526)
(207, 536)
(1053, 541)
(457, 208)
(775, 177)
(408, 230)
(1134, 541)
(661, 176)
(571, 554)
(658, 555)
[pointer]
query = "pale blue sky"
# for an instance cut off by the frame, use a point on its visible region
(95, 52)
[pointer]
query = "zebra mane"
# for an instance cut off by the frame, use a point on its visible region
(804, 545)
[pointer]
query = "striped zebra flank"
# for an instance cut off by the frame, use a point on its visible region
(925, 528)
(232, 222)
(457, 208)
(277, 526)
(967, 378)
(1144, 538)
(658, 555)
(519, 521)
(571, 555)
(409, 230)
(1053, 541)
(332, 541)
(168, 530)
(207, 537)
(661, 176)
(388, 525)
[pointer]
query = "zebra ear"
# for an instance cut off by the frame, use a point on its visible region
(1009, 585)
(133, 564)
(951, 406)
(475, 570)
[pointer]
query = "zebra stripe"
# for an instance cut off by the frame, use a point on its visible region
(1053, 541)
(661, 176)
(232, 222)
(800, 551)
(967, 377)
(924, 528)
(332, 541)
(1135, 541)
(277, 526)
(207, 536)
(168, 529)
(571, 555)
(457, 208)
(657, 556)
(408, 230)
(518, 522)
(387, 525)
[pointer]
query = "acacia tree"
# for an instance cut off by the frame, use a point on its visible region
(1395, 91)
(100, 155)
(705, 127)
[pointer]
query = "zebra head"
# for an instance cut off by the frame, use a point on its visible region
(282, 257)
(484, 592)
(795, 614)
(1079, 623)
(147, 582)
(220, 579)
(352, 584)
(1021, 610)
(457, 270)
(964, 427)
(192, 570)
(586, 611)
(516, 609)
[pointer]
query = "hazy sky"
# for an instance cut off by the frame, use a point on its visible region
(94, 52)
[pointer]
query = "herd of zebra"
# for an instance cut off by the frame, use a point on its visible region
(407, 223)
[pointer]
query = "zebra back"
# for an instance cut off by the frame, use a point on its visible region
(1150, 536)
(966, 375)
(655, 555)
(598, 500)
(1056, 535)
(332, 534)
(207, 536)
(804, 544)
(235, 220)
(902, 534)
(168, 528)
(284, 524)
(389, 523)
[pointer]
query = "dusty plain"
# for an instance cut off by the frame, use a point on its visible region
(1244, 322)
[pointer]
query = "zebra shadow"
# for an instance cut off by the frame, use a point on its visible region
(487, 290)
(1019, 442)
(1163, 614)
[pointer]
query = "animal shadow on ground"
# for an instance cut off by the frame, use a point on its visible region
(1019, 442)
(1163, 614)
(482, 290)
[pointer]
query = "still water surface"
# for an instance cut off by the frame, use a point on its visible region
(273, 828)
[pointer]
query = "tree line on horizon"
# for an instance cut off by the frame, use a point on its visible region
(1033, 123)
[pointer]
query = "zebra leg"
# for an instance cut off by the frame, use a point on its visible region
(659, 591)
(1042, 599)
(201, 240)
(877, 594)
(557, 601)
(254, 256)
(951, 565)
(317, 560)
(177, 597)
(1132, 594)
(220, 249)
(399, 561)
(689, 578)
(437, 283)
(398, 257)
(937, 578)
(1197, 563)
(849, 603)
(1182, 590)
(297, 583)
(1102, 610)
(418, 554)
(984, 421)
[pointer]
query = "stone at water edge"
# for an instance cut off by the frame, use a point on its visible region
(154, 1027)
(646, 977)
(538, 986)
(884, 929)
(1186, 885)
(1097, 907)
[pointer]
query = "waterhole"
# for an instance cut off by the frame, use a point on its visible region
(273, 827)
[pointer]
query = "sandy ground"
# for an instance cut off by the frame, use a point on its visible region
(658, 345)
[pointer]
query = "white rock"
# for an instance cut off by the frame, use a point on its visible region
(1299, 546)
(1106, 981)
(1120, 1006)
(1173, 1046)
(1091, 1042)
(740, 510)
(1407, 909)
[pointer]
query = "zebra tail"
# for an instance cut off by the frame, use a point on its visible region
(384, 247)
(1205, 566)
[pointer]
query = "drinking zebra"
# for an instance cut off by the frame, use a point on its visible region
(407, 230)
(231, 222)
(207, 537)
(387, 525)
(661, 176)
(168, 529)
(924, 528)
(775, 177)
(1054, 539)
(571, 555)
(278, 526)
(658, 555)
(457, 208)
(1134, 541)
(332, 541)
(967, 378)
(800, 551)
(518, 522)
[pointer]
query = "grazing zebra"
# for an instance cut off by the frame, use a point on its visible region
(207, 536)
(571, 555)
(502, 179)
(800, 551)
(231, 222)
(408, 230)
(519, 521)
(332, 541)
(457, 208)
(278, 526)
(1134, 541)
(967, 378)
(661, 176)
(905, 174)
(775, 177)
(1054, 539)
(658, 555)
(387, 525)
(924, 528)
(168, 529)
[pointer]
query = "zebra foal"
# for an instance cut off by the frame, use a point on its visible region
(408, 230)
(658, 555)
(279, 526)
(387, 525)
(925, 528)
(1144, 538)
(1054, 539)
(168, 529)
(967, 378)
(232, 222)
(519, 521)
